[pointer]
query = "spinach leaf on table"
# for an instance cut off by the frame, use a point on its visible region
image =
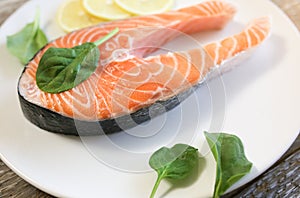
(232, 163)
(174, 163)
(27, 42)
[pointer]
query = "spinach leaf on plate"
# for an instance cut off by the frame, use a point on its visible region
(27, 42)
(232, 163)
(174, 163)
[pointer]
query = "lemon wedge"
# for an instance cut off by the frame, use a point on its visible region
(71, 16)
(106, 9)
(145, 7)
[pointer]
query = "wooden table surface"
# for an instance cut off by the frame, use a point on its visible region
(281, 180)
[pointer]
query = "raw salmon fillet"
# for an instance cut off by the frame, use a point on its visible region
(128, 85)
(204, 16)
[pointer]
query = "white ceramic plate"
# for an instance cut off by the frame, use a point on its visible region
(261, 106)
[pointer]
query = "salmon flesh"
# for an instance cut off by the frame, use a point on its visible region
(119, 94)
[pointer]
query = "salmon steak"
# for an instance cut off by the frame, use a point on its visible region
(128, 82)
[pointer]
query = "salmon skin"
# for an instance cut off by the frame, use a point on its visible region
(120, 93)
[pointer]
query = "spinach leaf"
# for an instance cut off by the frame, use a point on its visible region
(61, 69)
(232, 163)
(27, 42)
(173, 163)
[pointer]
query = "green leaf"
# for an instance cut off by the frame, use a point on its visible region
(61, 69)
(174, 163)
(232, 163)
(27, 42)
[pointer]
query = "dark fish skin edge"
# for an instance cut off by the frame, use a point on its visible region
(57, 123)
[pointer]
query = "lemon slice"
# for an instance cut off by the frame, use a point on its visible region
(71, 16)
(145, 7)
(106, 9)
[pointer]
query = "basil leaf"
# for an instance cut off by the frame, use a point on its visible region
(232, 163)
(174, 163)
(61, 69)
(27, 42)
